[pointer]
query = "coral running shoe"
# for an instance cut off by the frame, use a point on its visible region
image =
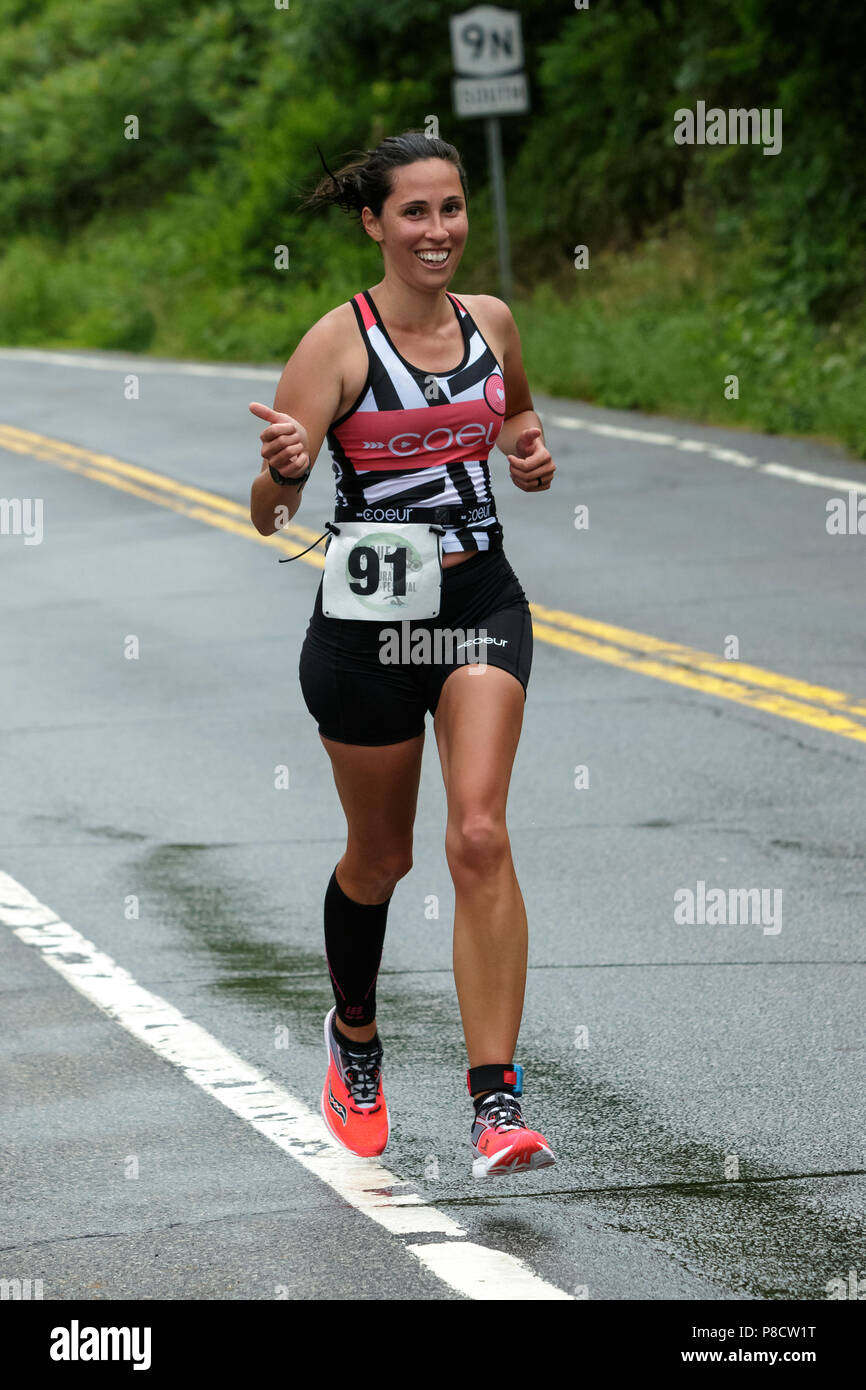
(501, 1141)
(353, 1106)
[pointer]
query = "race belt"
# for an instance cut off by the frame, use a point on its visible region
(448, 515)
(386, 562)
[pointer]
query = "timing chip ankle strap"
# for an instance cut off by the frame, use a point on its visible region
(496, 1076)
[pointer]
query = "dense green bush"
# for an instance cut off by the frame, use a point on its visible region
(704, 260)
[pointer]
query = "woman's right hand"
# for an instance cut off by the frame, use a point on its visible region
(284, 443)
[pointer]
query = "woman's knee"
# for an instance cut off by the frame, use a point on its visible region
(476, 845)
(377, 871)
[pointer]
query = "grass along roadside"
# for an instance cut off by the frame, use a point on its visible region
(658, 329)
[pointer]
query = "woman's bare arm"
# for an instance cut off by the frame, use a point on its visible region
(309, 392)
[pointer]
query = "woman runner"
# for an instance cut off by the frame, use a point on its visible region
(412, 386)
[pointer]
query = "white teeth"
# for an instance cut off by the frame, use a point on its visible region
(433, 257)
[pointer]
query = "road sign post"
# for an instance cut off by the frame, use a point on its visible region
(487, 51)
(497, 180)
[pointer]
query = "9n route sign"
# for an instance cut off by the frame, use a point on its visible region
(487, 51)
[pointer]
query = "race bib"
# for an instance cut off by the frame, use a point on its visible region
(382, 571)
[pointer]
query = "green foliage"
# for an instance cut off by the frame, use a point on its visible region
(661, 329)
(705, 260)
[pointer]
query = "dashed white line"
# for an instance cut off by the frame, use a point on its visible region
(701, 446)
(486, 1274)
(567, 422)
(470, 1269)
(154, 366)
(802, 475)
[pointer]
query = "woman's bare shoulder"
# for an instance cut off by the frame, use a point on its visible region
(333, 326)
(495, 309)
(335, 348)
(493, 317)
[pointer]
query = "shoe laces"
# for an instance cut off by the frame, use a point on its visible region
(501, 1111)
(361, 1075)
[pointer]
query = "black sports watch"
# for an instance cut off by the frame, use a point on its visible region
(295, 482)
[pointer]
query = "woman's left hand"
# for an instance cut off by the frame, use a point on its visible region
(531, 463)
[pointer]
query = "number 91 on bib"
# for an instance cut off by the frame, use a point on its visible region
(376, 572)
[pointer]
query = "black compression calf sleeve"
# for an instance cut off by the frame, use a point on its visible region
(354, 937)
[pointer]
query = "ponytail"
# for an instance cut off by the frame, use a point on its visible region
(366, 181)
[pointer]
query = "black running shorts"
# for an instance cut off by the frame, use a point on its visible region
(358, 698)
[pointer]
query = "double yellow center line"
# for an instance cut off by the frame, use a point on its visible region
(815, 705)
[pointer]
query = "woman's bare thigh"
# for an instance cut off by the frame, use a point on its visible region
(378, 790)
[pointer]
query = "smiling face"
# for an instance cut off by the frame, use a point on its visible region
(424, 213)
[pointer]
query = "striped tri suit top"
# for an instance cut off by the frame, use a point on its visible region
(420, 440)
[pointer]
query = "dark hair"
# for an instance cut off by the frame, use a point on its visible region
(367, 182)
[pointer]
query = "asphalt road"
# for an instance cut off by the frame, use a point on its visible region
(701, 1084)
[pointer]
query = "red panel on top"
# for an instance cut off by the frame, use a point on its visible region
(419, 437)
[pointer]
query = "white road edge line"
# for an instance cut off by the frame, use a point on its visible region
(468, 1268)
(701, 446)
(567, 422)
(141, 365)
